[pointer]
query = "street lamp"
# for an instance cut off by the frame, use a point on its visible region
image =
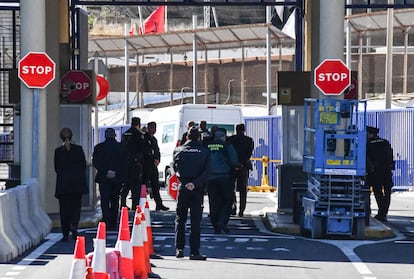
(182, 93)
(228, 90)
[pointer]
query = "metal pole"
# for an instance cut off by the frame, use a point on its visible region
(388, 60)
(35, 165)
(195, 61)
(348, 36)
(405, 70)
(268, 60)
(126, 79)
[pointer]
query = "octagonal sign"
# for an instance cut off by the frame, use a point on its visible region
(36, 70)
(75, 86)
(332, 77)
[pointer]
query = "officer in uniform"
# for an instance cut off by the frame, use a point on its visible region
(380, 164)
(192, 164)
(152, 159)
(220, 181)
(133, 141)
(109, 161)
(244, 146)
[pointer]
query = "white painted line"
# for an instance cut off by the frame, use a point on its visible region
(366, 277)
(12, 273)
(52, 239)
(404, 242)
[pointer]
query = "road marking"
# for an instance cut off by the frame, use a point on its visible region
(52, 238)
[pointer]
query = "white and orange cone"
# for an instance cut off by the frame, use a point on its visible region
(143, 195)
(140, 267)
(79, 259)
(149, 232)
(124, 246)
(99, 253)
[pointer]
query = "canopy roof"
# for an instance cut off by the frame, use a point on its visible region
(235, 36)
(377, 21)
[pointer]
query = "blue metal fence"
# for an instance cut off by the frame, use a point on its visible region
(397, 126)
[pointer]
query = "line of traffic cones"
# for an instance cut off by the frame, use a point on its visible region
(130, 259)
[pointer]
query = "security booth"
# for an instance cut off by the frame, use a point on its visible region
(293, 88)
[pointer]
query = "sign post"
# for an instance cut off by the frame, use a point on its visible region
(36, 70)
(332, 77)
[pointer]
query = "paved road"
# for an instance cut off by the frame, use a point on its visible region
(248, 251)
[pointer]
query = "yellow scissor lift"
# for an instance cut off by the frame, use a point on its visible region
(265, 187)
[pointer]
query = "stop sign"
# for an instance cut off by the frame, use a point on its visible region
(36, 70)
(75, 86)
(173, 186)
(332, 77)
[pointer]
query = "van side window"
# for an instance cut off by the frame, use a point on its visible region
(168, 133)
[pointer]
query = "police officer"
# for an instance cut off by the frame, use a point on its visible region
(380, 164)
(152, 159)
(192, 164)
(109, 161)
(133, 141)
(244, 146)
(220, 181)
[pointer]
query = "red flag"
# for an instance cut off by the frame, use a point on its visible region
(154, 24)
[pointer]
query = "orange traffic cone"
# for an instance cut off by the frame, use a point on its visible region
(89, 273)
(140, 267)
(149, 232)
(145, 241)
(143, 195)
(79, 259)
(123, 244)
(99, 253)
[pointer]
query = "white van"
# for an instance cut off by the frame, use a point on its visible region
(171, 124)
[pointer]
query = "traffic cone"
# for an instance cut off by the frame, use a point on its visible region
(123, 244)
(143, 195)
(79, 259)
(149, 232)
(89, 273)
(99, 253)
(140, 267)
(145, 241)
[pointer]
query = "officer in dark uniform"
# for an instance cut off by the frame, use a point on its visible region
(244, 146)
(110, 163)
(152, 158)
(192, 164)
(380, 164)
(133, 141)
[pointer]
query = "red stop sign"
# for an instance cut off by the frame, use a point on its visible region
(36, 70)
(332, 77)
(75, 86)
(173, 186)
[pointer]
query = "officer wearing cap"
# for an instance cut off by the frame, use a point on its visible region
(109, 161)
(192, 164)
(380, 164)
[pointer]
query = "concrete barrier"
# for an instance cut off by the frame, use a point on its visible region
(15, 222)
(39, 216)
(23, 222)
(8, 250)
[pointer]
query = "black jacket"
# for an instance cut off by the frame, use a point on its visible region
(244, 146)
(70, 167)
(109, 155)
(134, 143)
(192, 162)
